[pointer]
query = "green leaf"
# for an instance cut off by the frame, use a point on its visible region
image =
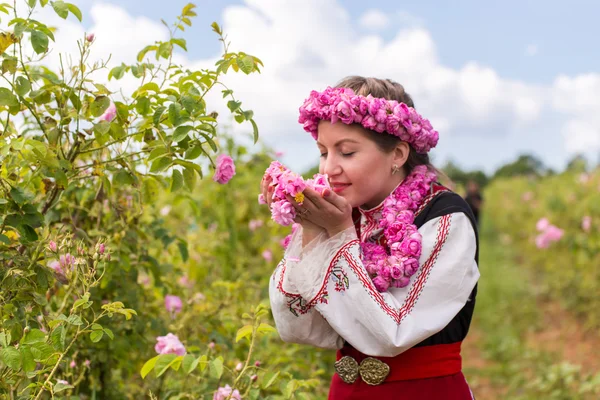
(193, 152)
(75, 320)
(148, 366)
(233, 105)
(246, 64)
(163, 363)
(18, 196)
(29, 363)
(149, 190)
(175, 113)
(102, 127)
(28, 233)
(255, 130)
(96, 336)
(271, 380)
(34, 336)
(22, 86)
(266, 328)
(176, 181)
(59, 387)
(4, 239)
(209, 140)
(181, 132)
(157, 152)
(9, 65)
(5, 339)
(143, 52)
(179, 42)
(117, 72)
(189, 363)
(109, 333)
(99, 106)
(7, 98)
(183, 249)
(216, 368)
(189, 177)
(75, 11)
(11, 357)
(216, 28)
(160, 164)
(142, 105)
(39, 41)
(243, 332)
(61, 9)
(158, 114)
(123, 177)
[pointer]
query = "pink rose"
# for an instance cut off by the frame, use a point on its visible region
(411, 246)
(225, 169)
(267, 255)
(110, 113)
(410, 265)
(169, 344)
(173, 304)
(227, 392)
(542, 224)
(52, 246)
(381, 284)
(283, 212)
(586, 223)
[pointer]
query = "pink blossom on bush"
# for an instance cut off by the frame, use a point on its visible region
(169, 344)
(225, 169)
(52, 246)
(586, 223)
(527, 196)
(239, 367)
(267, 255)
(73, 364)
(254, 224)
(90, 37)
(110, 113)
(227, 392)
(542, 224)
(185, 281)
(173, 304)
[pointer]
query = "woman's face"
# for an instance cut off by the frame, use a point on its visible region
(358, 170)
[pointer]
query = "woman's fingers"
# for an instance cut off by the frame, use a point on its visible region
(333, 198)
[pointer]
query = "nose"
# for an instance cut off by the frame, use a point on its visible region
(332, 166)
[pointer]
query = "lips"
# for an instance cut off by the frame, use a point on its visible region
(339, 187)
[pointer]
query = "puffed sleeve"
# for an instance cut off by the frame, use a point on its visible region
(295, 321)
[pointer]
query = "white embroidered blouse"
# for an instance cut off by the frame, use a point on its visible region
(322, 295)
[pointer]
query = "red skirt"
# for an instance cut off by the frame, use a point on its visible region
(451, 387)
(432, 372)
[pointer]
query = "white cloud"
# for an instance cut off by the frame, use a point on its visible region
(374, 20)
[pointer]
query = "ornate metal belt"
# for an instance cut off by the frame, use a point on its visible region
(371, 370)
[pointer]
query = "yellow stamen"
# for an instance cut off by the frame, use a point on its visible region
(299, 198)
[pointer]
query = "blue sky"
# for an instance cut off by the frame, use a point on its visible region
(498, 78)
(495, 33)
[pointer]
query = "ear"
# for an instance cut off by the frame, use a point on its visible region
(400, 154)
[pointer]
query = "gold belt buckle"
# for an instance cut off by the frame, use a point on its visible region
(371, 370)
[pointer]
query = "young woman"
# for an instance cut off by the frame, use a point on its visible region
(383, 267)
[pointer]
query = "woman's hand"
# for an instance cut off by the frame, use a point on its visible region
(309, 229)
(327, 210)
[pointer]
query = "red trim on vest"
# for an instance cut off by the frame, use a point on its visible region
(417, 362)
